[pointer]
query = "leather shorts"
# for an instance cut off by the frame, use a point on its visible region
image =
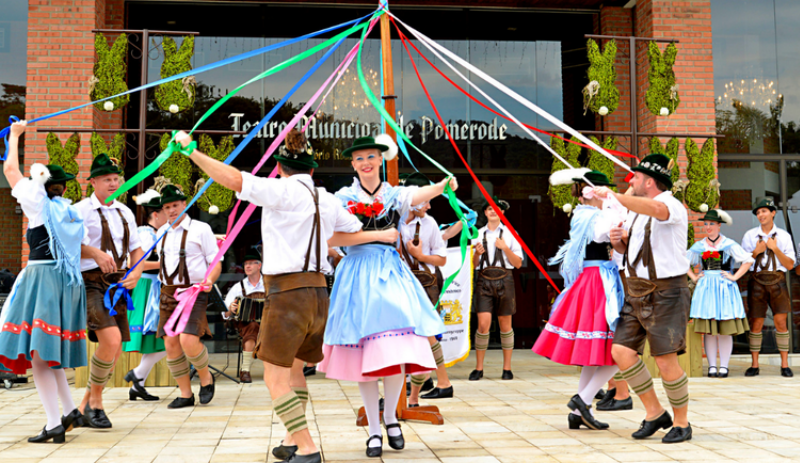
(498, 296)
(760, 297)
(97, 317)
(198, 322)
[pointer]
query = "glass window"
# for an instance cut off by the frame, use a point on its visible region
(14, 58)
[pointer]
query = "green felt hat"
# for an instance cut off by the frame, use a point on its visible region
(717, 215)
(301, 157)
(251, 254)
(657, 166)
(364, 143)
(503, 205)
(769, 203)
(171, 193)
(597, 178)
(57, 175)
(414, 179)
(103, 165)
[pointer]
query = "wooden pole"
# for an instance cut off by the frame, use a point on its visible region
(392, 174)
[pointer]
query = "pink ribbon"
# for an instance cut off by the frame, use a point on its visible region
(610, 204)
(187, 297)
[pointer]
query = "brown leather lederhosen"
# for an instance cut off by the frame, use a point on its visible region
(296, 308)
(248, 331)
(198, 322)
(767, 288)
(97, 283)
(494, 284)
(431, 281)
(655, 310)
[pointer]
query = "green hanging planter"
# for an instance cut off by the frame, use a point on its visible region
(109, 73)
(601, 163)
(217, 198)
(560, 195)
(690, 241)
(114, 150)
(64, 156)
(178, 95)
(662, 95)
(601, 94)
(702, 193)
(671, 150)
(178, 168)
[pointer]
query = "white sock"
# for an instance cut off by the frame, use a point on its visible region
(247, 360)
(392, 388)
(45, 382)
(725, 349)
(64, 392)
(711, 349)
(371, 396)
(598, 380)
(146, 365)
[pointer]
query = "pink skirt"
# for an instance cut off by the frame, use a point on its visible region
(577, 332)
(377, 355)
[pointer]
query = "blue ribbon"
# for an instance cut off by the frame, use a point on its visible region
(120, 291)
(5, 131)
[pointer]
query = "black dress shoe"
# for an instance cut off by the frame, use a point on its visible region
(439, 393)
(786, 372)
(57, 434)
(648, 428)
(310, 371)
(712, 372)
(752, 371)
(507, 375)
(427, 386)
(284, 452)
(607, 397)
(677, 435)
(310, 458)
(601, 394)
(95, 418)
(723, 372)
(138, 391)
(182, 402)
(576, 403)
(395, 442)
(207, 392)
(72, 421)
(373, 452)
(616, 405)
(476, 375)
(576, 421)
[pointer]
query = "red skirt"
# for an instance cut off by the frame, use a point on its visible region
(577, 332)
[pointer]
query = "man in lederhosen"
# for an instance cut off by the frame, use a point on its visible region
(494, 287)
(774, 253)
(252, 288)
(424, 251)
(297, 220)
(657, 302)
(185, 253)
(111, 235)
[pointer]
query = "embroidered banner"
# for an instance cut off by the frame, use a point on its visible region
(456, 303)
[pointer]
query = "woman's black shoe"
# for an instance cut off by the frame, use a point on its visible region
(413, 405)
(576, 421)
(95, 418)
(576, 403)
(712, 372)
(182, 402)
(309, 371)
(439, 393)
(507, 375)
(476, 375)
(648, 428)
(72, 421)
(607, 397)
(677, 435)
(601, 394)
(723, 372)
(207, 392)
(375, 451)
(57, 434)
(395, 442)
(140, 393)
(615, 405)
(284, 452)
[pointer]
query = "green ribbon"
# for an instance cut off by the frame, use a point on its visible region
(467, 233)
(175, 147)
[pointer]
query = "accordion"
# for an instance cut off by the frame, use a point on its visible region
(249, 310)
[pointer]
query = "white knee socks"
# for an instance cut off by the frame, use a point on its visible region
(370, 395)
(711, 349)
(45, 382)
(64, 392)
(392, 388)
(725, 349)
(147, 364)
(600, 377)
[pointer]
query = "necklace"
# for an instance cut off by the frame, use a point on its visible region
(371, 193)
(714, 241)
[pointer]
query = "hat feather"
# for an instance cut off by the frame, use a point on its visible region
(386, 139)
(565, 176)
(40, 173)
(147, 196)
(725, 217)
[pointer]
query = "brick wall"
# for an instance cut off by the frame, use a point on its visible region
(736, 200)
(10, 244)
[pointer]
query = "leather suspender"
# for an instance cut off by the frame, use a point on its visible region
(645, 254)
(316, 228)
(182, 268)
(498, 256)
(771, 259)
(107, 240)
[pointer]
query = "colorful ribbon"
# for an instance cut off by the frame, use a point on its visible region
(111, 304)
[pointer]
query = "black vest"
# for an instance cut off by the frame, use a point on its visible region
(39, 242)
(597, 251)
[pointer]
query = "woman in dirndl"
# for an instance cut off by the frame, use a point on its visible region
(143, 321)
(43, 321)
(717, 308)
(581, 326)
(380, 317)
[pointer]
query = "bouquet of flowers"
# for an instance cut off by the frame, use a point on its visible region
(711, 255)
(362, 210)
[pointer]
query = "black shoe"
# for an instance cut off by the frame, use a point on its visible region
(57, 434)
(439, 393)
(723, 372)
(648, 428)
(380, 404)
(609, 395)
(601, 394)
(284, 452)
(141, 393)
(786, 372)
(677, 435)
(712, 372)
(207, 392)
(310, 458)
(182, 402)
(615, 405)
(576, 403)
(72, 421)
(507, 375)
(413, 405)
(95, 418)
(373, 452)
(310, 371)
(427, 386)
(397, 442)
(576, 421)
(476, 375)
(752, 371)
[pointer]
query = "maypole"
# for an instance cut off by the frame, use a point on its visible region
(392, 174)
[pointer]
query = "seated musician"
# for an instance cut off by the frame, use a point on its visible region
(252, 288)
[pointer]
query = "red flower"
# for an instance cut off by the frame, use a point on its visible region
(377, 208)
(360, 208)
(715, 255)
(368, 211)
(707, 255)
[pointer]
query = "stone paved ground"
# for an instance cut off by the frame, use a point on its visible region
(734, 419)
